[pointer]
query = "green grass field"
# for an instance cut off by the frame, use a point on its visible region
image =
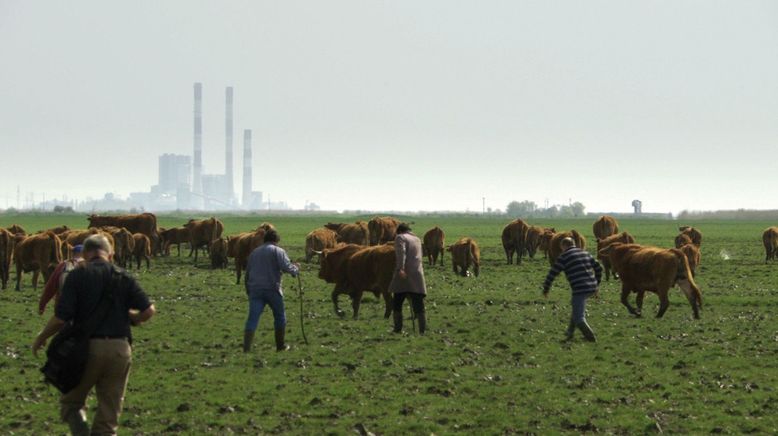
(492, 362)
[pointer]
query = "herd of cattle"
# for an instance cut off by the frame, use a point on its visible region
(360, 257)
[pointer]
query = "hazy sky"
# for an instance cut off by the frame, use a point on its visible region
(405, 105)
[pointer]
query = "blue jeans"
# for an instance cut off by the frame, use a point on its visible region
(257, 302)
(579, 307)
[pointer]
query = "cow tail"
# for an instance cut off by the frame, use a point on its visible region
(56, 246)
(469, 255)
(685, 273)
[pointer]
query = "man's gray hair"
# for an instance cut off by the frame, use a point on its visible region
(97, 242)
(567, 242)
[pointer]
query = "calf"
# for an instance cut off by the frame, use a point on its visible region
(465, 253)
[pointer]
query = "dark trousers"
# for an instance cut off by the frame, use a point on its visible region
(417, 301)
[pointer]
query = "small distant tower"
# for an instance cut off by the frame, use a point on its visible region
(197, 183)
(638, 206)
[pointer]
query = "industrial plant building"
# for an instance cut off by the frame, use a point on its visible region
(183, 183)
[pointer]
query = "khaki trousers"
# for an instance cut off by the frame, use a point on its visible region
(107, 369)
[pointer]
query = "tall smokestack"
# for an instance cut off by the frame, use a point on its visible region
(247, 168)
(197, 182)
(228, 143)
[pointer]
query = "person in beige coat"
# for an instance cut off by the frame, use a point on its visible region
(408, 280)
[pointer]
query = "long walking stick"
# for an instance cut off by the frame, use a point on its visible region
(302, 317)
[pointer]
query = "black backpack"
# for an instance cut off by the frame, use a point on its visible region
(68, 352)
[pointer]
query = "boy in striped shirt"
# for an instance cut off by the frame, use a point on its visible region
(584, 274)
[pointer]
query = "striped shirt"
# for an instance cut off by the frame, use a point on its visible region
(582, 271)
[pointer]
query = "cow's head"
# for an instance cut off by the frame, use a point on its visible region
(682, 240)
(324, 265)
(606, 251)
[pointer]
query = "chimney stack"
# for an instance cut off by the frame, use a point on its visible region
(228, 144)
(197, 183)
(247, 169)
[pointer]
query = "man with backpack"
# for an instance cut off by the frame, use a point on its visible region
(99, 288)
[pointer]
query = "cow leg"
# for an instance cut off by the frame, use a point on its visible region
(18, 278)
(334, 296)
(148, 262)
(195, 254)
(664, 303)
(137, 259)
(508, 257)
(454, 266)
(625, 301)
(691, 296)
(387, 304)
(639, 301)
(442, 251)
(519, 253)
(35, 276)
(356, 299)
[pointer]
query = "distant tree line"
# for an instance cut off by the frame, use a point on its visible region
(738, 214)
(529, 209)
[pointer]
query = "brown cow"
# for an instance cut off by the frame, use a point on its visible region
(6, 254)
(355, 269)
(533, 239)
(464, 253)
(382, 230)
(246, 243)
(39, 253)
(514, 237)
(202, 232)
(145, 223)
(265, 227)
(545, 240)
(219, 253)
(177, 236)
(232, 244)
(123, 245)
(142, 249)
(770, 240)
(623, 237)
(652, 269)
(356, 233)
(16, 229)
(605, 226)
(434, 241)
(76, 237)
(555, 245)
(318, 240)
(692, 253)
(693, 233)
